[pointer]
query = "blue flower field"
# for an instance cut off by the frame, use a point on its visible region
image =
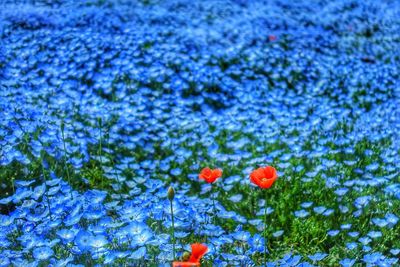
(111, 111)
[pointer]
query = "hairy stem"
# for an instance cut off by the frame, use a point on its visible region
(265, 230)
(173, 230)
(65, 153)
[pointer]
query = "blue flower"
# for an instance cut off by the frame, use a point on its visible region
(351, 245)
(372, 258)
(317, 257)
(241, 235)
(6, 200)
(95, 196)
(328, 212)
(346, 226)
(63, 262)
(20, 183)
(21, 194)
(395, 251)
(365, 240)
(391, 219)
(66, 235)
(42, 253)
(94, 212)
(305, 264)
(83, 240)
(301, 213)
(278, 233)
(6, 220)
(290, 260)
(4, 261)
(236, 198)
(135, 228)
(98, 241)
(343, 209)
(176, 171)
(363, 201)
(256, 243)
(319, 209)
(306, 204)
(353, 234)
(142, 238)
(380, 222)
(366, 248)
(347, 262)
(374, 234)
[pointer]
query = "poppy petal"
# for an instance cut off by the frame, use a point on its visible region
(205, 173)
(198, 250)
(267, 183)
(217, 173)
(264, 177)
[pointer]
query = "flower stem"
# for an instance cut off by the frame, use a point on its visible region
(45, 181)
(100, 151)
(13, 184)
(265, 230)
(214, 208)
(65, 153)
(173, 230)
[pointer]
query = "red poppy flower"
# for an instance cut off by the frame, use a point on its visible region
(198, 251)
(210, 175)
(272, 38)
(264, 177)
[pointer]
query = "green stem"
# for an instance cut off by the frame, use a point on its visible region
(213, 200)
(113, 166)
(100, 152)
(13, 184)
(265, 230)
(173, 230)
(65, 153)
(45, 182)
(253, 206)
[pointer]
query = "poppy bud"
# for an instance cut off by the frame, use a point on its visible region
(185, 256)
(171, 193)
(62, 125)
